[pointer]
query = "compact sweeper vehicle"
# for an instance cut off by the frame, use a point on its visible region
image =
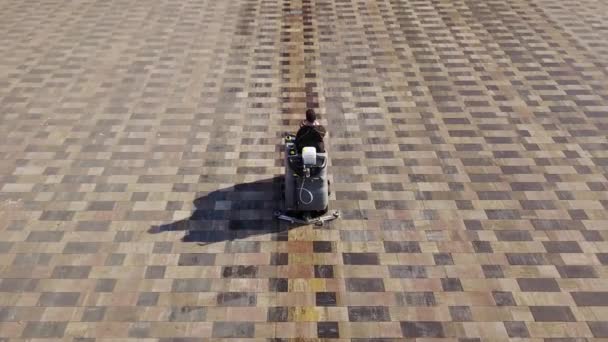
(305, 187)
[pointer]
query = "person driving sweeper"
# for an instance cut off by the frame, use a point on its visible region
(305, 186)
(311, 133)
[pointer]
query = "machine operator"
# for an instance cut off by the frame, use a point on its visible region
(311, 133)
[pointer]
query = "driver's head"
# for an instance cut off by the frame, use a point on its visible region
(311, 117)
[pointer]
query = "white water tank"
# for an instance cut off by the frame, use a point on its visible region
(309, 155)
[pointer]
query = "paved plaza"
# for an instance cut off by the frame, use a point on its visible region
(141, 155)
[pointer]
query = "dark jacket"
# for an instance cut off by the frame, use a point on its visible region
(311, 136)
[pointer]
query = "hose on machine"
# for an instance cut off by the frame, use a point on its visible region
(302, 190)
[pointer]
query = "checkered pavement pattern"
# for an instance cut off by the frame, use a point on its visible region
(140, 164)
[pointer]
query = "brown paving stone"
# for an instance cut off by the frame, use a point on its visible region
(577, 271)
(233, 330)
(503, 298)
(236, 299)
(58, 299)
(422, 329)
(105, 285)
(187, 314)
(552, 314)
(416, 299)
(324, 271)
(93, 314)
(44, 329)
(599, 329)
(585, 298)
(538, 285)
(368, 314)
(71, 272)
(364, 285)
(326, 299)
(516, 329)
(328, 330)
(278, 314)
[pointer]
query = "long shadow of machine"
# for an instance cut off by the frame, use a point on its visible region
(299, 197)
(233, 213)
